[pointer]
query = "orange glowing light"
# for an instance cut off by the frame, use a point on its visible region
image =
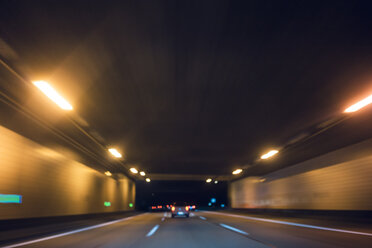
(269, 154)
(361, 104)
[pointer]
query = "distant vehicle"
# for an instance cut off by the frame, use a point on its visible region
(180, 209)
(192, 207)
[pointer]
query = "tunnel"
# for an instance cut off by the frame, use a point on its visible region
(185, 124)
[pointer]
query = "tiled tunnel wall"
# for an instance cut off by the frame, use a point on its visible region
(52, 184)
(339, 180)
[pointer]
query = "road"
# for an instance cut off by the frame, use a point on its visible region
(204, 229)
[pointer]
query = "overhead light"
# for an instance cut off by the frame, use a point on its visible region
(53, 95)
(269, 154)
(148, 180)
(107, 173)
(215, 182)
(133, 170)
(209, 180)
(115, 153)
(359, 105)
(142, 173)
(237, 171)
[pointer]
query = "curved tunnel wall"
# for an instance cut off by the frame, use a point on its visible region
(51, 184)
(340, 180)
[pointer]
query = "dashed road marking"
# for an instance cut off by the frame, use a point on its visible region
(234, 229)
(153, 230)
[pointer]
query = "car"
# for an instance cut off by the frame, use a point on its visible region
(180, 209)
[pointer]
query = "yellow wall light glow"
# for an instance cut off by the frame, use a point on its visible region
(133, 170)
(148, 180)
(52, 94)
(269, 154)
(361, 104)
(209, 180)
(115, 153)
(107, 173)
(142, 173)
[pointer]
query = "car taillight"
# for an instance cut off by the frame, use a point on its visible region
(193, 207)
(187, 208)
(173, 208)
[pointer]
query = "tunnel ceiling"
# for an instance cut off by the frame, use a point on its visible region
(194, 87)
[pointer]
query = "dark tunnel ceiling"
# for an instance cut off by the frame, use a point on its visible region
(195, 86)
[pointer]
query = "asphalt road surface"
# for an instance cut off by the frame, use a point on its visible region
(205, 229)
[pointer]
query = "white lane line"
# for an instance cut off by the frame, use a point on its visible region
(234, 229)
(153, 230)
(165, 214)
(203, 218)
(71, 232)
(295, 224)
(162, 219)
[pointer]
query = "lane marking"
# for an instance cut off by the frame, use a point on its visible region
(234, 229)
(295, 224)
(70, 232)
(153, 230)
(203, 218)
(192, 214)
(165, 214)
(162, 219)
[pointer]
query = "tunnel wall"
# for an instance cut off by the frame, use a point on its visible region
(52, 184)
(340, 180)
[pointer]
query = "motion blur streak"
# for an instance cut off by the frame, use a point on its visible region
(53, 95)
(361, 104)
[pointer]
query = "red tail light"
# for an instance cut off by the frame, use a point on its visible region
(173, 209)
(193, 207)
(187, 208)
